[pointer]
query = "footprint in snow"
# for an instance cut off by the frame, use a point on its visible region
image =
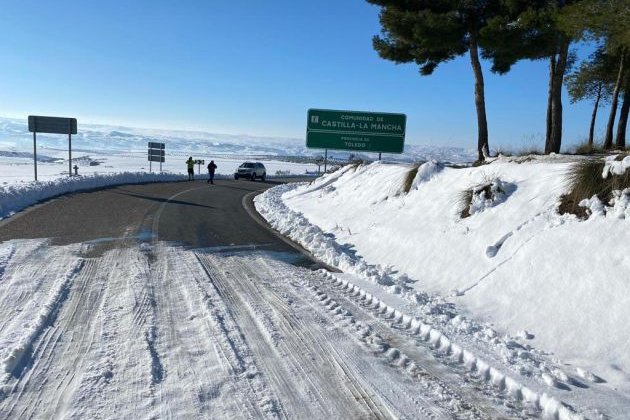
(492, 250)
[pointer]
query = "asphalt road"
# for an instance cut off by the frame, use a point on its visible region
(192, 214)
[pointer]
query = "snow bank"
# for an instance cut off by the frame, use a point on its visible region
(14, 198)
(426, 172)
(615, 167)
(619, 205)
(323, 246)
(548, 406)
(542, 280)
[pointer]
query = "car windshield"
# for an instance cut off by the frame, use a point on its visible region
(247, 165)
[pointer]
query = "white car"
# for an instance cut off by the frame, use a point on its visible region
(251, 170)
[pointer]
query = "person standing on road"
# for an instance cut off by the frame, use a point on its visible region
(191, 168)
(211, 169)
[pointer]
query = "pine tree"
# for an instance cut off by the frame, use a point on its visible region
(592, 80)
(529, 30)
(607, 21)
(431, 32)
(620, 140)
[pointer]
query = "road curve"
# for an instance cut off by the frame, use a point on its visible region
(193, 214)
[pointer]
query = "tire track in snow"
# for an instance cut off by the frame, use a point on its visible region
(23, 282)
(442, 387)
(201, 378)
(490, 382)
(314, 351)
(60, 353)
(179, 344)
(7, 250)
(278, 354)
(300, 340)
(19, 357)
(290, 399)
(234, 346)
(117, 382)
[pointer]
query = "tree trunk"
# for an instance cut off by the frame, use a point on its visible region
(556, 98)
(552, 69)
(591, 131)
(623, 119)
(480, 101)
(613, 105)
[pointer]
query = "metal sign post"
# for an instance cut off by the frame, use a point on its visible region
(156, 154)
(357, 131)
(69, 148)
(325, 160)
(318, 161)
(52, 125)
(35, 153)
(199, 162)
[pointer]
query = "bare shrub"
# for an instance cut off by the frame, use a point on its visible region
(588, 149)
(492, 189)
(585, 180)
(411, 175)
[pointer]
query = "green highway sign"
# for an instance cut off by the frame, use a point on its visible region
(352, 130)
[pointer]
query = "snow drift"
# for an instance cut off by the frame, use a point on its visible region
(14, 198)
(541, 280)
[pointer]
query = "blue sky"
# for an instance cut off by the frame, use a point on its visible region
(251, 67)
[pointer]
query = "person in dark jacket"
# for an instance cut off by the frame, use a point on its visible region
(211, 168)
(190, 163)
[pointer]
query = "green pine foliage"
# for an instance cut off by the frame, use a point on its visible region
(594, 76)
(431, 32)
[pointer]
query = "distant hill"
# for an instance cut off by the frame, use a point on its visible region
(14, 137)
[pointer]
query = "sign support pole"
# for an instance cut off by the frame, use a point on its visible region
(325, 160)
(150, 169)
(379, 155)
(69, 152)
(35, 152)
(160, 165)
(52, 125)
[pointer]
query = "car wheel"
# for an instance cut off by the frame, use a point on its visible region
(253, 176)
(264, 176)
(235, 176)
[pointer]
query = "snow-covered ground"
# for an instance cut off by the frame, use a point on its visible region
(156, 331)
(541, 298)
(104, 150)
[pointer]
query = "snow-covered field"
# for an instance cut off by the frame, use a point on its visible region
(99, 149)
(541, 298)
(104, 150)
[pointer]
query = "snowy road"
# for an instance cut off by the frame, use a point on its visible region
(155, 325)
(159, 331)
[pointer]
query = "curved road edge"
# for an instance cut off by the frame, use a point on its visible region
(248, 204)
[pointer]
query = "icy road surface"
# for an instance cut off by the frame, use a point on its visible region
(158, 331)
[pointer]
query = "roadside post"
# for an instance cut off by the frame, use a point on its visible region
(156, 154)
(199, 162)
(318, 161)
(355, 130)
(52, 125)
